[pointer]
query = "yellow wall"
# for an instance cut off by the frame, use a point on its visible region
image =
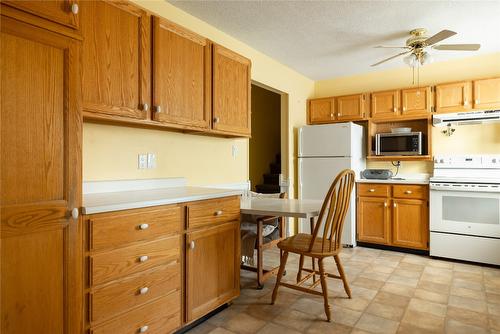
(110, 152)
(467, 138)
(266, 140)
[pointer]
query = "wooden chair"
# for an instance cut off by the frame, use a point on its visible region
(333, 212)
(261, 245)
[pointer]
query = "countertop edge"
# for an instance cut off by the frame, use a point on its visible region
(88, 210)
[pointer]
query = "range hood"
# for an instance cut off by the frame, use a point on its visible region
(464, 118)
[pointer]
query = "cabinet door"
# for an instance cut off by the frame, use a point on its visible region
(351, 107)
(410, 224)
(231, 92)
(385, 104)
(373, 220)
(181, 76)
(321, 110)
(487, 93)
(416, 101)
(454, 97)
(40, 149)
(65, 12)
(212, 268)
(115, 59)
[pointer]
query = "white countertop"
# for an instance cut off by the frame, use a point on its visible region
(395, 181)
(123, 200)
(281, 207)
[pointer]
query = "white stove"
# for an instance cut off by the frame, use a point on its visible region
(465, 208)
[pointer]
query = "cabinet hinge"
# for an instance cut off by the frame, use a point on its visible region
(364, 97)
(433, 109)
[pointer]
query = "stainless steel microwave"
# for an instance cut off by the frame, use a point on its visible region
(409, 143)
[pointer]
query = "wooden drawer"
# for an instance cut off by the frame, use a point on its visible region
(133, 291)
(410, 191)
(374, 189)
(161, 316)
(107, 266)
(212, 211)
(116, 229)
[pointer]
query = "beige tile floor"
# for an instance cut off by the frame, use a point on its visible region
(392, 293)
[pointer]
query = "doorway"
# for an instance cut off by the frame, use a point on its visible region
(265, 159)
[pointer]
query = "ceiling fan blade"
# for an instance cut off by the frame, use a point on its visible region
(443, 34)
(391, 47)
(387, 59)
(457, 47)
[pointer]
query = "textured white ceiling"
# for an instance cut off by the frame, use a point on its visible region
(325, 39)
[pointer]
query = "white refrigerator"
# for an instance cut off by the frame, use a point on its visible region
(324, 151)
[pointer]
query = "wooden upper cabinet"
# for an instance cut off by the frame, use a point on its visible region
(454, 97)
(410, 223)
(181, 76)
(65, 12)
(115, 59)
(40, 164)
(487, 93)
(321, 110)
(231, 92)
(385, 104)
(212, 268)
(351, 107)
(373, 223)
(416, 101)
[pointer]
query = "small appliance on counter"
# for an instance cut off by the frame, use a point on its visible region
(377, 174)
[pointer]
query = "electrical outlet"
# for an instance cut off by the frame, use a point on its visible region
(234, 151)
(151, 160)
(142, 161)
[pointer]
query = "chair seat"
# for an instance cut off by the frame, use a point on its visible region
(300, 242)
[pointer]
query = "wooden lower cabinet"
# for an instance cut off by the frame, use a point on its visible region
(373, 220)
(393, 215)
(140, 277)
(212, 269)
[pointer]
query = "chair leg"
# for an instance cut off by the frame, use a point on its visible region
(342, 275)
(301, 265)
(324, 289)
(311, 224)
(280, 276)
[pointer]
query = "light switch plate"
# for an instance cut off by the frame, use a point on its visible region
(151, 160)
(142, 161)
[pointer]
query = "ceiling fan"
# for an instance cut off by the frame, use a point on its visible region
(416, 45)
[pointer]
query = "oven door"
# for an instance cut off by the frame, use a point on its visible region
(465, 212)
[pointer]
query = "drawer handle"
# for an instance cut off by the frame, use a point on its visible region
(394, 204)
(218, 213)
(143, 329)
(143, 226)
(408, 192)
(371, 190)
(143, 258)
(143, 290)
(385, 204)
(191, 245)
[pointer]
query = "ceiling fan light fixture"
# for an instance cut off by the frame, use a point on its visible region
(427, 58)
(411, 60)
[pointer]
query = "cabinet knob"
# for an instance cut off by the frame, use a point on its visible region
(371, 190)
(216, 119)
(331, 115)
(145, 107)
(395, 109)
(191, 244)
(75, 8)
(143, 329)
(465, 103)
(477, 102)
(408, 192)
(338, 114)
(143, 290)
(404, 108)
(143, 258)
(218, 213)
(385, 204)
(143, 226)
(394, 205)
(75, 213)
(157, 109)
